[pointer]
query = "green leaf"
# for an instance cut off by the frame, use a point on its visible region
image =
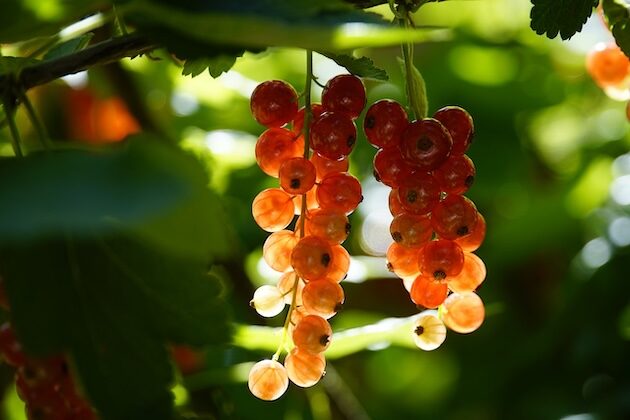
(416, 90)
(68, 47)
(152, 189)
(362, 66)
(216, 65)
(564, 17)
(615, 11)
(111, 303)
(14, 64)
(318, 25)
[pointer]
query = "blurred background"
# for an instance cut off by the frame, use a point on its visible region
(553, 182)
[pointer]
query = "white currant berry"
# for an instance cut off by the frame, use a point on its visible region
(268, 380)
(429, 331)
(268, 301)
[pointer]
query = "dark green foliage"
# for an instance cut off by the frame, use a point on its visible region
(564, 17)
(361, 66)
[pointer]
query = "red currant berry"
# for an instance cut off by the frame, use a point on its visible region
(312, 334)
(298, 121)
(390, 168)
(459, 124)
(275, 146)
(297, 175)
(323, 298)
(607, 65)
(384, 123)
(329, 224)
(325, 166)
(333, 135)
(340, 264)
(344, 93)
(411, 230)
(427, 292)
(395, 206)
(474, 240)
(454, 217)
(426, 144)
(456, 175)
(339, 191)
(312, 258)
(277, 249)
(273, 209)
(274, 103)
(402, 260)
(420, 194)
(441, 259)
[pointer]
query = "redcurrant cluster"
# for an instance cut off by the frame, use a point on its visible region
(315, 185)
(610, 69)
(435, 228)
(44, 384)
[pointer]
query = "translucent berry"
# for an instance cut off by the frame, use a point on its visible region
(346, 94)
(402, 261)
(474, 240)
(323, 298)
(273, 209)
(384, 123)
(275, 146)
(286, 284)
(329, 224)
(297, 175)
(607, 65)
(426, 144)
(340, 264)
(427, 292)
(459, 124)
(312, 258)
(395, 206)
(304, 369)
(456, 175)
(339, 191)
(429, 331)
(325, 166)
(411, 230)
(277, 249)
(472, 275)
(274, 103)
(268, 301)
(312, 334)
(420, 194)
(390, 168)
(454, 217)
(268, 380)
(333, 135)
(441, 259)
(463, 312)
(298, 121)
(311, 201)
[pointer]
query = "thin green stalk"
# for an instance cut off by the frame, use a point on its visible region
(15, 134)
(39, 127)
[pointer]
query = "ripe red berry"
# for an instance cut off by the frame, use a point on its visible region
(420, 194)
(390, 168)
(460, 126)
(277, 249)
(323, 298)
(274, 103)
(402, 260)
(395, 206)
(426, 144)
(275, 146)
(329, 224)
(340, 264)
(272, 209)
(472, 275)
(441, 259)
(454, 217)
(474, 240)
(325, 166)
(333, 135)
(312, 334)
(456, 175)
(304, 369)
(411, 230)
(344, 93)
(463, 312)
(298, 121)
(607, 65)
(297, 175)
(427, 292)
(384, 123)
(312, 258)
(339, 191)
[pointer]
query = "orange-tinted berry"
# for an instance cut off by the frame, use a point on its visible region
(329, 224)
(340, 264)
(346, 94)
(390, 168)
(472, 275)
(459, 125)
(420, 194)
(395, 206)
(339, 191)
(411, 230)
(384, 123)
(275, 146)
(454, 217)
(286, 284)
(312, 258)
(311, 201)
(325, 166)
(273, 209)
(474, 240)
(312, 334)
(298, 121)
(463, 312)
(297, 175)
(456, 175)
(274, 103)
(304, 369)
(333, 135)
(402, 260)
(607, 65)
(323, 298)
(277, 249)
(441, 259)
(268, 380)
(427, 292)
(426, 144)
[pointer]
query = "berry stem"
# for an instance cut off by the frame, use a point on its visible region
(15, 134)
(35, 121)
(415, 86)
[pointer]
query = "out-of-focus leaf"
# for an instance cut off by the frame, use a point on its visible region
(216, 65)
(564, 17)
(14, 64)
(68, 47)
(362, 66)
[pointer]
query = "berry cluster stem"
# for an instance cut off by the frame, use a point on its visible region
(15, 134)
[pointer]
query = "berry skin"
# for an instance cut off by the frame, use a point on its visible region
(274, 103)
(297, 175)
(441, 259)
(426, 144)
(390, 168)
(427, 292)
(454, 217)
(325, 166)
(339, 191)
(420, 194)
(456, 175)
(275, 146)
(607, 65)
(277, 249)
(402, 260)
(268, 301)
(323, 298)
(331, 225)
(333, 135)
(273, 209)
(304, 369)
(395, 206)
(340, 264)
(472, 275)
(460, 126)
(429, 331)
(463, 312)
(285, 285)
(312, 334)
(298, 121)
(474, 240)
(312, 258)
(410, 230)
(268, 380)
(311, 201)
(346, 94)
(384, 123)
